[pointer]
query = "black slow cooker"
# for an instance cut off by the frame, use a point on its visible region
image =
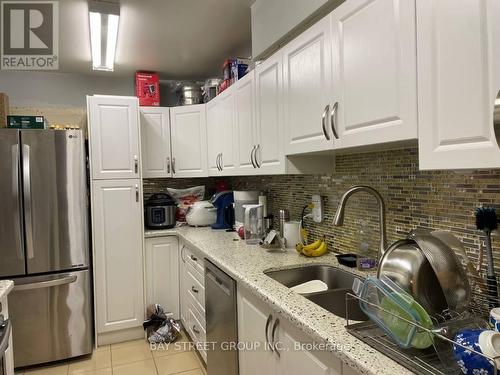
(159, 211)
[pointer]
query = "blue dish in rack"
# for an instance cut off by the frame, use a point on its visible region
(486, 342)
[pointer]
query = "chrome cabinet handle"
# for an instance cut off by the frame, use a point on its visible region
(323, 122)
(195, 290)
(27, 202)
(136, 193)
(275, 326)
(217, 162)
(46, 284)
(168, 164)
(252, 156)
(256, 158)
(221, 163)
(173, 165)
(136, 164)
(182, 254)
(195, 330)
(268, 322)
(333, 119)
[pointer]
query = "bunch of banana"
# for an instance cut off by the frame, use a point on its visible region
(315, 249)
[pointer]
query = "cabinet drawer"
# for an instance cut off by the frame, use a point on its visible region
(194, 260)
(197, 330)
(197, 326)
(196, 291)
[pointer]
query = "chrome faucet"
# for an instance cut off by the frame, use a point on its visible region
(338, 220)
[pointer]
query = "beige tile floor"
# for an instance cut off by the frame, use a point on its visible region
(129, 358)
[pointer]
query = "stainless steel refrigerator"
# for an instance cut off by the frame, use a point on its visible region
(44, 243)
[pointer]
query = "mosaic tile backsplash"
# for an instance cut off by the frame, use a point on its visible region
(426, 199)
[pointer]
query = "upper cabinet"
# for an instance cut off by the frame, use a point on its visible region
(155, 138)
(458, 81)
(269, 155)
(189, 141)
(114, 136)
(222, 133)
(246, 132)
(374, 72)
(307, 90)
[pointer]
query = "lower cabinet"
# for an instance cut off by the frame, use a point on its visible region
(118, 259)
(192, 296)
(273, 346)
(162, 273)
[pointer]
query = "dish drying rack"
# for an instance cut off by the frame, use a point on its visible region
(438, 358)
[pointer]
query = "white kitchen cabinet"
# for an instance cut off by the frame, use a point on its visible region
(458, 44)
(188, 129)
(269, 154)
(192, 295)
(307, 62)
(222, 134)
(114, 136)
(155, 142)
(374, 88)
(246, 142)
(118, 254)
(162, 273)
(213, 137)
(257, 324)
(254, 318)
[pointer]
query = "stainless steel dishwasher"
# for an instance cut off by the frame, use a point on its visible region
(222, 323)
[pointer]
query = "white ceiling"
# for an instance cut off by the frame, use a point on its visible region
(180, 39)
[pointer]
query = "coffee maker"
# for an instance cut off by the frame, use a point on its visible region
(223, 201)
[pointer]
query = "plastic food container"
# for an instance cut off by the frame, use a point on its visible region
(395, 311)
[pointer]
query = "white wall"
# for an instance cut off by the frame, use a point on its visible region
(274, 20)
(43, 89)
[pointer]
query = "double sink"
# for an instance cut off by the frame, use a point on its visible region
(333, 299)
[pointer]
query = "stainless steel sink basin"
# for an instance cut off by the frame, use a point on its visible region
(334, 277)
(339, 283)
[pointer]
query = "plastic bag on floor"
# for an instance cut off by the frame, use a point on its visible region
(159, 327)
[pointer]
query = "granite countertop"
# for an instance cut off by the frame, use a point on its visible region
(246, 265)
(5, 287)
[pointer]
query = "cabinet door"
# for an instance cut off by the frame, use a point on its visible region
(214, 139)
(458, 81)
(228, 135)
(374, 72)
(114, 136)
(252, 318)
(298, 356)
(244, 97)
(189, 141)
(155, 142)
(162, 273)
(307, 90)
(269, 115)
(117, 235)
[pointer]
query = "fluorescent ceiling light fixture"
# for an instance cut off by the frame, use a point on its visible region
(104, 17)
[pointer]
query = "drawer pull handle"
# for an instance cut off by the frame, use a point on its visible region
(268, 322)
(193, 258)
(195, 330)
(195, 290)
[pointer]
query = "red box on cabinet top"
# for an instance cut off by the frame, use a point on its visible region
(147, 88)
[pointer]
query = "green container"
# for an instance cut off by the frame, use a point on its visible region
(25, 122)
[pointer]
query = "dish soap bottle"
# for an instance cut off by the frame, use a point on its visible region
(365, 260)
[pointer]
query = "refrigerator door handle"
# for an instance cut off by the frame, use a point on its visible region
(27, 202)
(17, 197)
(46, 284)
